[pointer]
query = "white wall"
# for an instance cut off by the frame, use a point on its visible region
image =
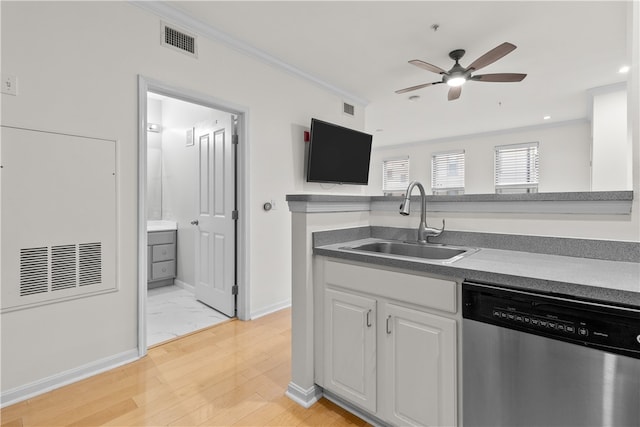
(564, 166)
(77, 65)
(611, 149)
(564, 154)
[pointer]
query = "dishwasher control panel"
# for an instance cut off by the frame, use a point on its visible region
(586, 323)
(545, 323)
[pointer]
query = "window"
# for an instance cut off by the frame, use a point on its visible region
(447, 172)
(395, 175)
(516, 168)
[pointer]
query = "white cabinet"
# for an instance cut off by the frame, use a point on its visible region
(350, 347)
(418, 387)
(385, 354)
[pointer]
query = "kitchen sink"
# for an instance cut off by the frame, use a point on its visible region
(429, 252)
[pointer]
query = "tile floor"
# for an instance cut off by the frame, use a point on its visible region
(173, 311)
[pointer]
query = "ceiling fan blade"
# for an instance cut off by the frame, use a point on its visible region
(500, 77)
(427, 66)
(409, 89)
(454, 93)
(492, 56)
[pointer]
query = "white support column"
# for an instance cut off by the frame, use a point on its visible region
(302, 388)
(305, 219)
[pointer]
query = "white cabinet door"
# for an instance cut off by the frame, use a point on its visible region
(350, 347)
(419, 386)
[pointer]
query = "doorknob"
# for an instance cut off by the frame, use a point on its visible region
(194, 222)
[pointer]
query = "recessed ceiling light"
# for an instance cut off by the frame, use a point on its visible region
(379, 130)
(414, 98)
(625, 69)
(546, 117)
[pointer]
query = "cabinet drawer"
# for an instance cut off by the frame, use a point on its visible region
(161, 237)
(163, 252)
(411, 288)
(163, 270)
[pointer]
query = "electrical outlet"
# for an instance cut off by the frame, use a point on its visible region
(10, 85)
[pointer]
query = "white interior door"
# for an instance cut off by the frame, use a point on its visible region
(215, 235)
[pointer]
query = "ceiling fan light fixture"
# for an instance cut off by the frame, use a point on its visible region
(456, 81)
(459, 75)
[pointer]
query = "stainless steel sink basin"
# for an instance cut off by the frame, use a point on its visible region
(442, 253)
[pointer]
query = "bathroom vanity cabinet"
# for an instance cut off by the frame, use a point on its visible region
(386, 342)
(161, 258)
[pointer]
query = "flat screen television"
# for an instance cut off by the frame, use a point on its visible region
(337, 154)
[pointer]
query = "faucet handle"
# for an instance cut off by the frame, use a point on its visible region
(435, 232)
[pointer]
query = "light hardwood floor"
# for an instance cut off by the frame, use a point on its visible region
(234, 373)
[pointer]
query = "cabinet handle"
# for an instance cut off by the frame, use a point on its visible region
(369, 318)
(389, 325)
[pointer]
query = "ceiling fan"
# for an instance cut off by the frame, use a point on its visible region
(459, 75)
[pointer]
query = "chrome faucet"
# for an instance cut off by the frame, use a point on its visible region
(424, 232)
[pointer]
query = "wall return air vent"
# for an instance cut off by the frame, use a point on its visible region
(45, 269)
(179, 40)
(64, 187)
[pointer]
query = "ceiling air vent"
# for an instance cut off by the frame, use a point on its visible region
(348, 109)
(179, 40)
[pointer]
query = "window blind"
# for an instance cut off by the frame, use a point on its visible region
(447, 172)
(395, 175)
(516, 167)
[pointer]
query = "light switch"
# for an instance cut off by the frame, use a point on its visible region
(9, 85)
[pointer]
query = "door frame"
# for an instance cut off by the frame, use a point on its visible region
(146, 84)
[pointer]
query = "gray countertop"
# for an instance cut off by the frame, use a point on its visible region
(581, 203)
(594, 279)
(591, 195)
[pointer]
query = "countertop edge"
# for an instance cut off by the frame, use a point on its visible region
(578, 203)
(565, 289)
(555, 196)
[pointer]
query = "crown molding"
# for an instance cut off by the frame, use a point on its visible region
(178, 17)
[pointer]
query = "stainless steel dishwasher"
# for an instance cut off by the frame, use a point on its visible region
(532, 359)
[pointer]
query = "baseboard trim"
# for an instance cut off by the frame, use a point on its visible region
(53, 382)
(302, 397)
(185, 286)
(270, 309)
